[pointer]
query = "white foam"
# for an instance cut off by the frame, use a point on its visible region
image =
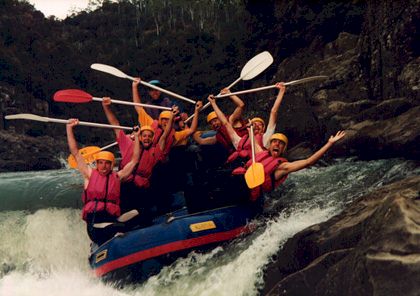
(236, 270)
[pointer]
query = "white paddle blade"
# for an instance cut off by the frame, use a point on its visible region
(256, 65)
(305, 80)
(27, 116)
(109, 69)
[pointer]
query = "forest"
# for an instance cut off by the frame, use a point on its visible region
(198, 47)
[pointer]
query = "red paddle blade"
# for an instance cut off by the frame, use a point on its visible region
(72, 96)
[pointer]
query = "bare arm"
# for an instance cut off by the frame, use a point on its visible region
(232, 134)
(143, 117)
(126, 171)
(290, 167)
(194, 123)
(83, 168)
(112, 119)
(168, 128)
(237, 113)
(276, 105)
(136, 94)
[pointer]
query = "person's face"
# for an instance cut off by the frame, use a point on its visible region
(215, 124)
(258, 127)
(181, 124)
(146, 138)
(164, 122)
(276, 148)
(103, 166)
(154, 94)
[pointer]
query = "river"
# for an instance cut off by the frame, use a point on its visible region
(44, 246)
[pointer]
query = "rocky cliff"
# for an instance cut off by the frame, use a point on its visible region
(371, 248)
(373, 86)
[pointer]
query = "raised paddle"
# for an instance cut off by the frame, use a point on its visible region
(294, 82)
(79, 96)
(254, 175)
(65, 121)
(252, 68)
(116, 72)
(88, 154)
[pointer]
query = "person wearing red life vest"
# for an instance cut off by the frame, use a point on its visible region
(277, 168)
(242, 144)
(222, 136)
(101, 196)
(134, 192)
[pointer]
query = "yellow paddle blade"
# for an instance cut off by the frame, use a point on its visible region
(254, 175)
(88, 154)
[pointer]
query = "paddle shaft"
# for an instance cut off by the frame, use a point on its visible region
(85, 123)
(65, 121)
(133, 104)
(251, 135)
(208, 103)
(243, 76)
(246, 91)
(168, 92)
(109, 146)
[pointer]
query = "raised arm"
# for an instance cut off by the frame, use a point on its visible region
(162, 141)
(127, 170)
(143, 117)
(240, 105)
(274, 113)
(290, 167)
(194, 123)
(232, 134)
(84, 169)
(112, 119)
(136, 94)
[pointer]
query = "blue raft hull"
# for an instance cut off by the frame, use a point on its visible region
(141, 253)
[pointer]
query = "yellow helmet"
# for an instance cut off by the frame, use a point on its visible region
(147, 128)
(164, 114)
(255, 119)
(105, 155)
(212, 115)
(280, 137)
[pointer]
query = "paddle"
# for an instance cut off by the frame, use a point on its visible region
(87, 154)
(294, 82)
(116, 72)
(252, 68)
(254, 175)
(65, 121)
(79, 96)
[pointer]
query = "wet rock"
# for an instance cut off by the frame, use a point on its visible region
(371, 248)
(23, 153)
(386, 138)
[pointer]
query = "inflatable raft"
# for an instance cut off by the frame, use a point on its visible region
(141, 253)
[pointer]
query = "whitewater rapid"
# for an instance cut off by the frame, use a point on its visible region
(44, 246)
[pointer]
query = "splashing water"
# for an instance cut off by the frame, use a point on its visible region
(44, 245)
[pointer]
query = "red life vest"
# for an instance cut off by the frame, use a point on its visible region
(158, 133)
(102, 194)
(143, 171)
(222, 136)
(244, 147)
(270, 165)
